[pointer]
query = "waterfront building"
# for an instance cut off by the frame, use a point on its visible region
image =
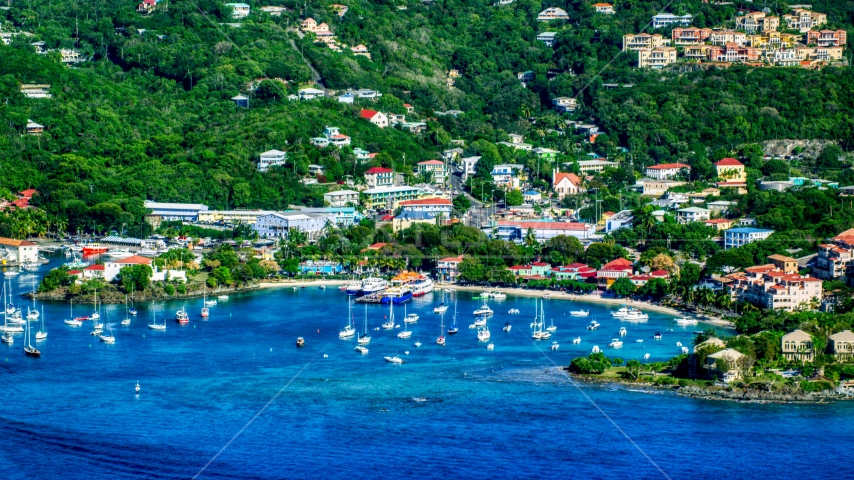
(543, 231)
(798, 346)
(247, 217)
(25, 251)
(770, 287)
(842, 345)
(320, 267)
(447, 269)
(611, 271)
(836, 259)
(573, 271)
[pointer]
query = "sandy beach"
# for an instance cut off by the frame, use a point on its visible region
(521, 292)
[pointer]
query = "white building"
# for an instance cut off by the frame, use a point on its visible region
(737, 237)
(341, 198)
(188, 212)
(692, 214)
(431, 205)
(667, 170)
(552, 13)
(26, 252)
(271, 158)
(390, 197)
(595, 166)
(434, 167)
(663, 20)
(377, 118)
(468, 166)
(279, 224)
(564, 104)
(605, 8)
(310, 93)
(238, 10)
(543, 231)
(508, 176)
(549, 38)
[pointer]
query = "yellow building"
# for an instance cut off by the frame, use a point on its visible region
(731, 169)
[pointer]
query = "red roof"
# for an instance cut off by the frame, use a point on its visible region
(618, 264)
(452, 259)
(431, 162)
(426, 201)
(368, 114)
(573, 178)
(660, 273)
(376, 170)
(518, 267)
(718, 220)
(377, 246)
(575, 265)
(546, 225)
(75, 272)
(407, 105)
(668, 166)
(28, 193)
(96, 267)
(729, 162)
(387, 218)
(541, 264)
(134, 260)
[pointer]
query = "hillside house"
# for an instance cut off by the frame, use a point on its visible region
(664, 20)
(379, 177)
(595, 166)
(692, 214)
(640, 41)
(447, 269)
(468, 166)
(390, 197)
(730, 169)
(377, 118)
(690, 36)
(310, 93)
(737, 237)
(238, 10)
(804, 20)
(34, 128)
(361, 50)
(835, 260)
(657, 57)
(552, 13)
(784, 263)
(549, 38)
(732, 361)
(274, 11)
(757, 22)
(842, 345)
(508, 176)
(564, 104)
(827, 38)
(271, 158)
(280, 224)
(722, 37)
(605, 8)
(146, 7)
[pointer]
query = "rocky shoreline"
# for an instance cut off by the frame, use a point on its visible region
(114, 296)
(732, 394)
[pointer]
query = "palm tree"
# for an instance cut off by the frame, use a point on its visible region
(724, 300)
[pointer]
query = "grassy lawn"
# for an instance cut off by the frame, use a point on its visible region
(199, 279)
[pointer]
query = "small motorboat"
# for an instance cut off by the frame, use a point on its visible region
(205, 313)
(411, 318)
(640, 340)
(441, 308)
(657, 336)
(404, 334)
(490, 347)
(615, 343)
(222, 297)
(554, 346)
(593, 325)
(394, 359)
(595, 349)
(418, 343)
(136, 388)
(300, 342)
(182, 317)
(546, 296)
(678, 344)
(686, 321)
(507, 327)
(622, 312)
(73, 322)
(7, 338)
(483, 334)
(513, 311)
(646, 356)
(361, 349)
(484, 310)
(623, 331)
(684, 350)
(480, 322)
(323, 287)
(579, 313)
(576, 340)
(210, 303)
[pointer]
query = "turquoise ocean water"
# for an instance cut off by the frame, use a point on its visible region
(457, 411)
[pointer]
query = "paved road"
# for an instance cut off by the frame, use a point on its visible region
(315, 75)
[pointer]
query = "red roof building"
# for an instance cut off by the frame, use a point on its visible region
(377, 118)
(565, 184)
(728, 162)
(613, 270)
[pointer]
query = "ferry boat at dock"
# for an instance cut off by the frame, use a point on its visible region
(397, 295)
(421, 287)
(94, 248)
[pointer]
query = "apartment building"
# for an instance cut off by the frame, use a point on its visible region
(697, 52)
(773, 40)
(692, 214)
(690, 36)
(666, 171)
(770, 287)
(657, 57)
(722, 37)
(836, 259)
(757, 22)
(804, 20)
(640, 41)
(819, 54)
(827, 38)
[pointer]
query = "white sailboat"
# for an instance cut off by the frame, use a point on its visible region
(540, 333)
(483, 334)
(132, 309)
(389, 323)
(108, 337)
(349, 330)
(33, 315)
(365, 338)
(484, 309)
(406, 333)
(551, 327)
(440, 340)
(7, 335)
(126, 321)
(71, 321)
(42, 333)
(154, 325)
(97, 326)
(454, 328)
(95, 315)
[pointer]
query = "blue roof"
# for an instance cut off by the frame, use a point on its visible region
(748, 230)
(532, 192)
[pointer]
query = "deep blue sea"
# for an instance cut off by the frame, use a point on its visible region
(235, 394)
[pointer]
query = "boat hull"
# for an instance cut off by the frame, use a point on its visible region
(398, 299)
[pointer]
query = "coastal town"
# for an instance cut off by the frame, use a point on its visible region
(278, 230)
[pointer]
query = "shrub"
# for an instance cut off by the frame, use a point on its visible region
(181, 288)
(817, 386)
(169, 289)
